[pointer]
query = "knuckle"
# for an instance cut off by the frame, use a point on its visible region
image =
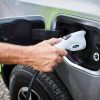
(62, 52)
(55, 65)
(53, 38)
(55, 58)
(56, 51)
(60, 59)
(65, 52)
(53, 51)
(45, 41)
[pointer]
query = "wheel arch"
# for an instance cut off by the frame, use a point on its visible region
(6, 71)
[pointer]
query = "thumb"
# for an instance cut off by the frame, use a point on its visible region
(53, 41)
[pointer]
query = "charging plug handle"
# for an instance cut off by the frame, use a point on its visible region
(73, 42)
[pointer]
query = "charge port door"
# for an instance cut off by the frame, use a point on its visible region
(18, 30)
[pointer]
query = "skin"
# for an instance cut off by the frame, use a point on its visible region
(43, 56)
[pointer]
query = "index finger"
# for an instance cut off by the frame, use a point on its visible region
(53, 41)
(61, 52)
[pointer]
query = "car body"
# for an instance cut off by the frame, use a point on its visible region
(80, 74)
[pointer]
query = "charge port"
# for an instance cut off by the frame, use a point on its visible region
(89, 57)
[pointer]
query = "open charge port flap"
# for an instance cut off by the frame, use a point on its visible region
(19, 31)
(39, 35)
(25, 32)
(89, 57)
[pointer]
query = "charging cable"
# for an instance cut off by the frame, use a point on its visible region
(31, 84)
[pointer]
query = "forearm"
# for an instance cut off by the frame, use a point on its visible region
(42, 56)
(12, 54)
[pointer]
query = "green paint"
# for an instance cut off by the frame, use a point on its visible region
(49, 13)
(0, 71)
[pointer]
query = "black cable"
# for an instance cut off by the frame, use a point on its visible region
(31, 84)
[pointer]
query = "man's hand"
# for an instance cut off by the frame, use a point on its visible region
(44, 56)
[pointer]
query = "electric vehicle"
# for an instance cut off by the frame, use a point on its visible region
(78, 76)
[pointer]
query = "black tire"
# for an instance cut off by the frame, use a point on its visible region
(47, 85)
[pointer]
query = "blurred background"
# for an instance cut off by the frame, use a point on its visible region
(25, 7)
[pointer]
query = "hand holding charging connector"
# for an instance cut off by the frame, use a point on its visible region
(73, 42)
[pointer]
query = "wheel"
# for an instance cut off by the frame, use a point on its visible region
(46, 87)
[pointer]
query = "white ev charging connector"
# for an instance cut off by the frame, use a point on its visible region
(73, 42)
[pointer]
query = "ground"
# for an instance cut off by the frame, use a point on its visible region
(4, 93)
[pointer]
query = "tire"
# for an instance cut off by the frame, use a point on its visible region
(47, 86)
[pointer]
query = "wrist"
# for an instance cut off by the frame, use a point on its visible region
(26, 52)
(21, 55)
